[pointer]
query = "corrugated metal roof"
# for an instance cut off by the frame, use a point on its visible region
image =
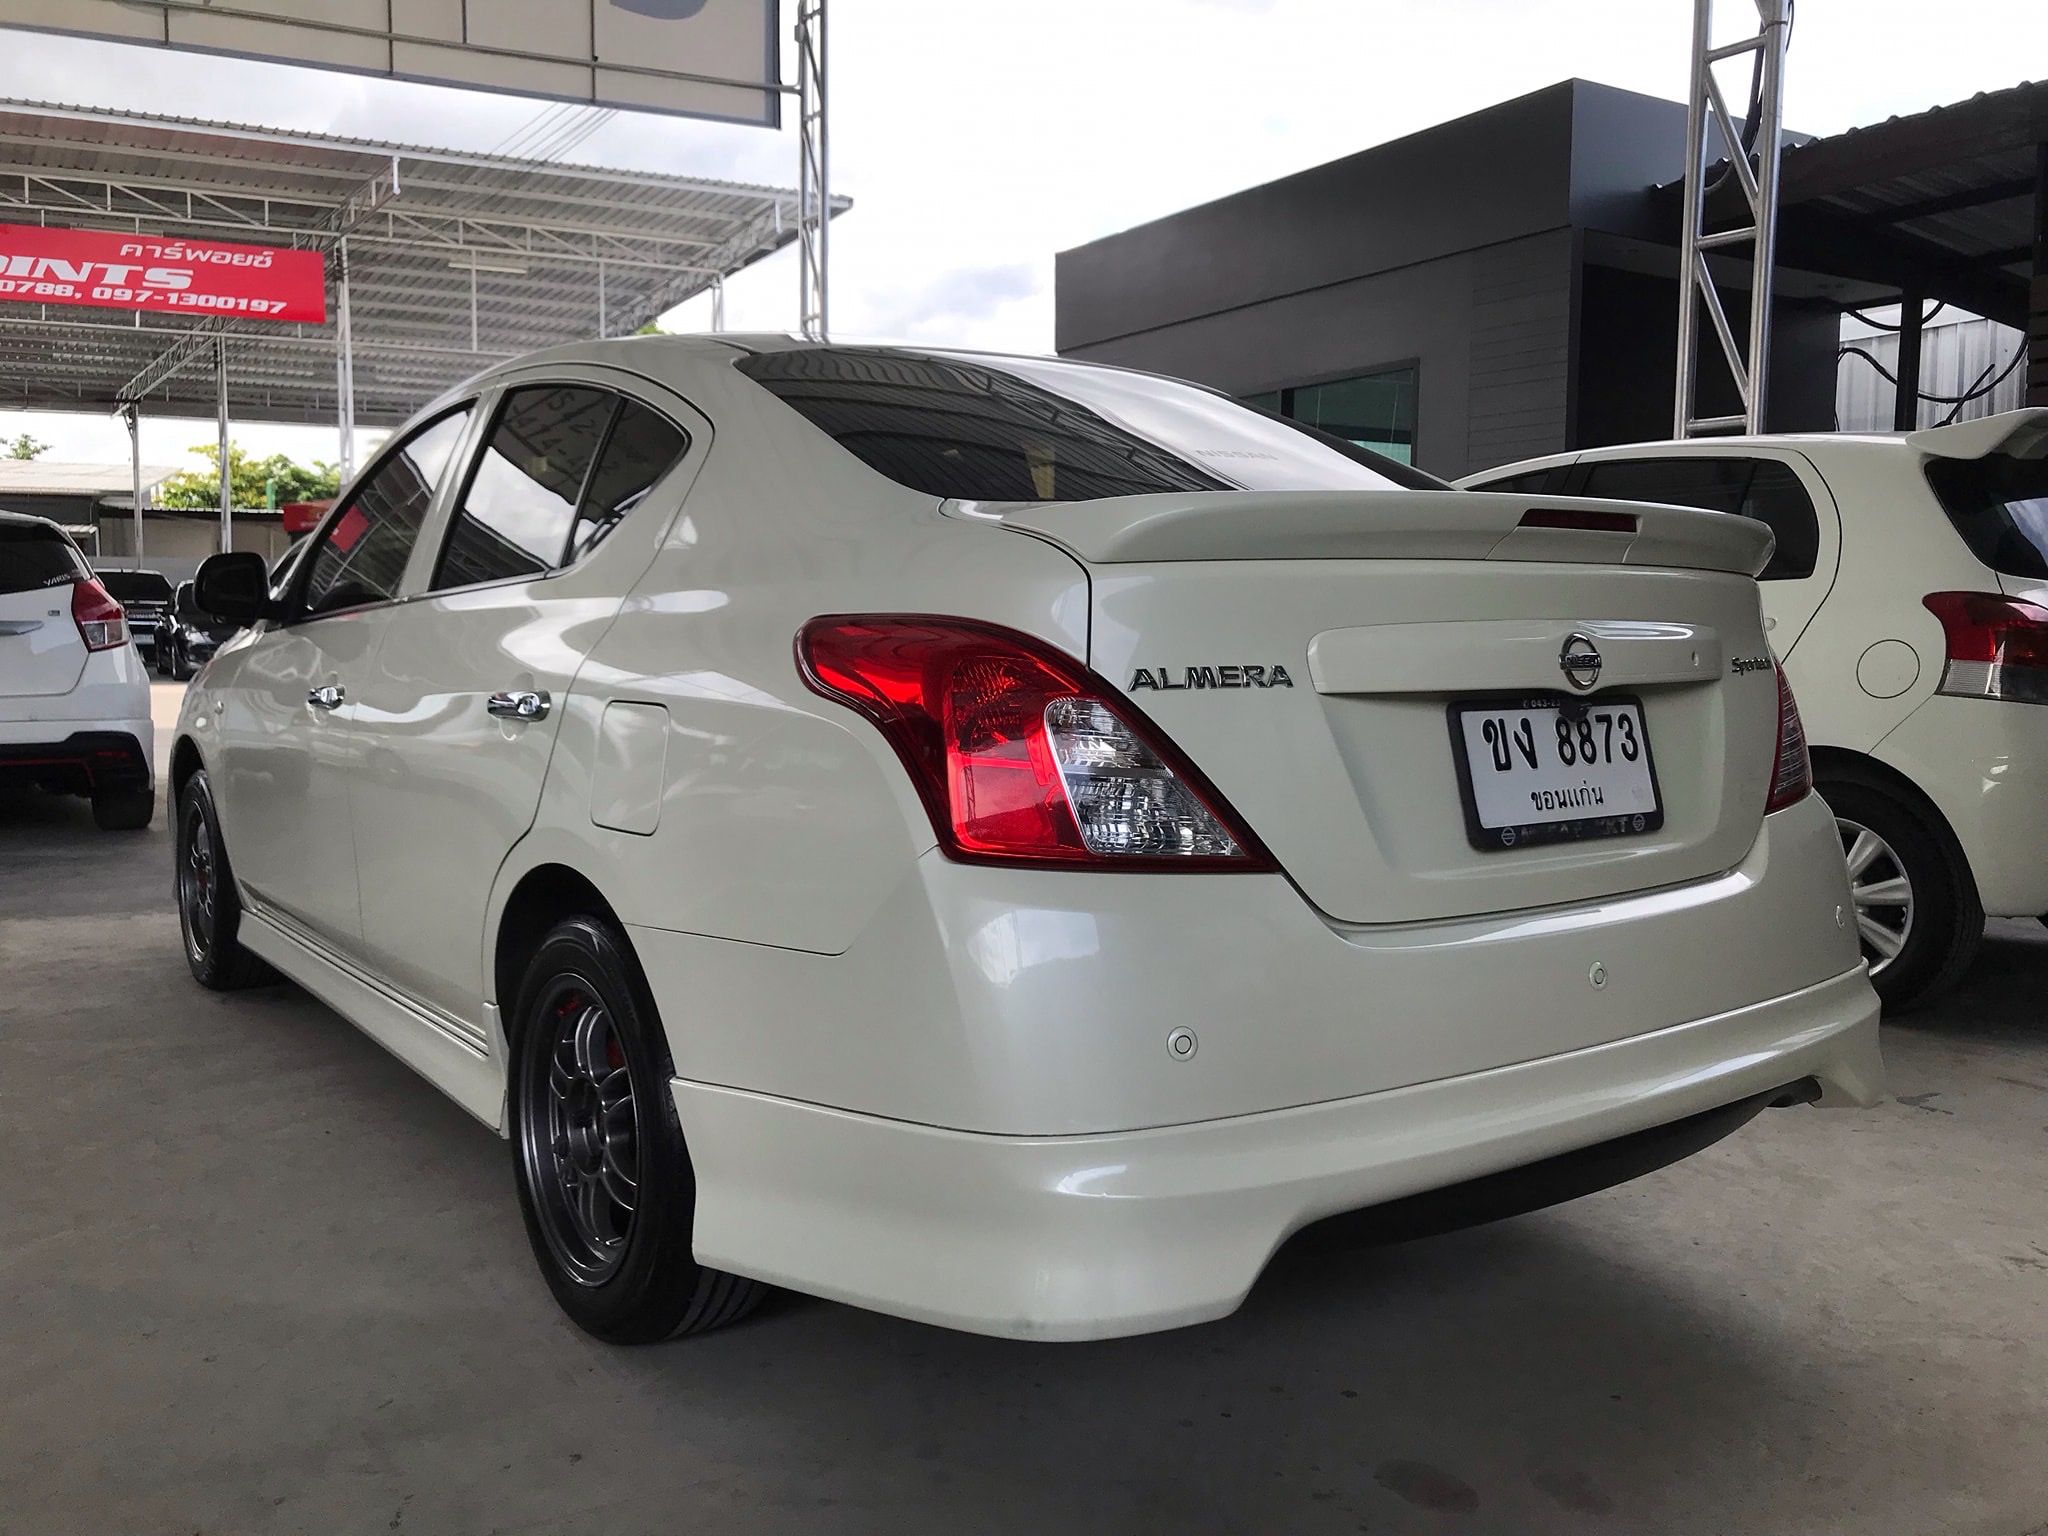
(39, 477)
(551, 252)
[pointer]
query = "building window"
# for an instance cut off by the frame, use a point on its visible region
(1374, 410)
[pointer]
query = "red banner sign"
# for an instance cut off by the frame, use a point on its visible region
(178, 277)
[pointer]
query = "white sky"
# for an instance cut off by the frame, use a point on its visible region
(977, 138)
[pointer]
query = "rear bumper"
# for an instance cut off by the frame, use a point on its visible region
(1984, 763)
(1082, 1237)
(88, 757)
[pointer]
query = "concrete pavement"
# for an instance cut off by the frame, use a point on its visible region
(259, 1277)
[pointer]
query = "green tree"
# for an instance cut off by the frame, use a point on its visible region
(26, 447)
(267, 482)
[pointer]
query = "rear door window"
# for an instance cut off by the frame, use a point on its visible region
(1999, 504)
(362, 554)
(564, 466)
(515, 514)
(1764, 489)
(35, 555)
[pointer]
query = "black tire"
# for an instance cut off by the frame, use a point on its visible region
(209, 908)
(123, 810)
(1940, 923)
(605, 1182)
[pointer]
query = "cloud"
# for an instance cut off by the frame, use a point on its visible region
(951, 301)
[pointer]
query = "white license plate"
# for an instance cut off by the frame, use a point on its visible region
(1533, 770)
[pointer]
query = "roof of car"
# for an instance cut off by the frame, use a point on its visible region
(18, 518)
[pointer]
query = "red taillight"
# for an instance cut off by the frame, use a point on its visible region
(1018, 751)
(102, 622)
(1792, 768)
(1997, 646)
(1588, 521)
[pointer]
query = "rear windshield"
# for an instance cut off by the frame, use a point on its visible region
(137, 586)
(33, 555)
(1999, 504)
(971, 429)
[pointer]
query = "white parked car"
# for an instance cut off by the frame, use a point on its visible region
(1908, 601)
(74, 695)
(1006, 842)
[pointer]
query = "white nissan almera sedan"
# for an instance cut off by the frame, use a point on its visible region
(1005, 842)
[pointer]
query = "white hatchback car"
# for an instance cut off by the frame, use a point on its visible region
(1006, 842)
(74, 695)
(1908, 601)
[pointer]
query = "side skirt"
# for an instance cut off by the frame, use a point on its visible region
(473, 1078)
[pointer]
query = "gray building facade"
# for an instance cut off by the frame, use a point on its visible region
(1496, 287)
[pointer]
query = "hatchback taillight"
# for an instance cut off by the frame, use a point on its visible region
(102, 622)
(1997, 646)
(1020, 753)
(1792, 768)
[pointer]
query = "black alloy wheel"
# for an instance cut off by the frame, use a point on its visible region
(209, 909)
(583, 1143)
(605, 1183)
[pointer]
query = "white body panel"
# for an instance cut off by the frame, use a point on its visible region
(41, 652)
(944, 1089)
(1865, 656)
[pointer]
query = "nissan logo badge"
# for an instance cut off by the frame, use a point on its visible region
(1579, 660)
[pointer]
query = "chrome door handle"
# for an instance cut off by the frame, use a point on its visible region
(520, 704)
(329, 697)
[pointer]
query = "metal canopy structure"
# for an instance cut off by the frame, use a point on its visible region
(1948, 205)
(441, 262)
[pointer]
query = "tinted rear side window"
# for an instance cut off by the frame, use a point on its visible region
(642, 448)
(33, 556)
(515, 515)
(1765, 489)
(1999, 504)
(1533, 483)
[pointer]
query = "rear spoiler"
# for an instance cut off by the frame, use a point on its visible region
(1388, 525)
(2022, 434)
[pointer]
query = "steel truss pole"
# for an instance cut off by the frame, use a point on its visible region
(344, 364)
(133, 413)
(227, 480)
(1697, 290)
(814, 179)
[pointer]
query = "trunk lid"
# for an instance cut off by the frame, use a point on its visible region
(1382, 612)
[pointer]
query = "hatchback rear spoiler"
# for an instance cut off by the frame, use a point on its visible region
(1389, 525)
(2022, 434)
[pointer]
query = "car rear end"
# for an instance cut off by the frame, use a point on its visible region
(74, 696)
(146, 597)
(1976, 738)
(1383, 840)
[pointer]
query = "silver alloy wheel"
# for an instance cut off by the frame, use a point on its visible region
(1882, 891)
(580, 1135)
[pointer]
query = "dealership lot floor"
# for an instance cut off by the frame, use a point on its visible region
(258, 1277)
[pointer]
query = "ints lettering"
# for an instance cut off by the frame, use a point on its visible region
(51, 268)
(1242, 675)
